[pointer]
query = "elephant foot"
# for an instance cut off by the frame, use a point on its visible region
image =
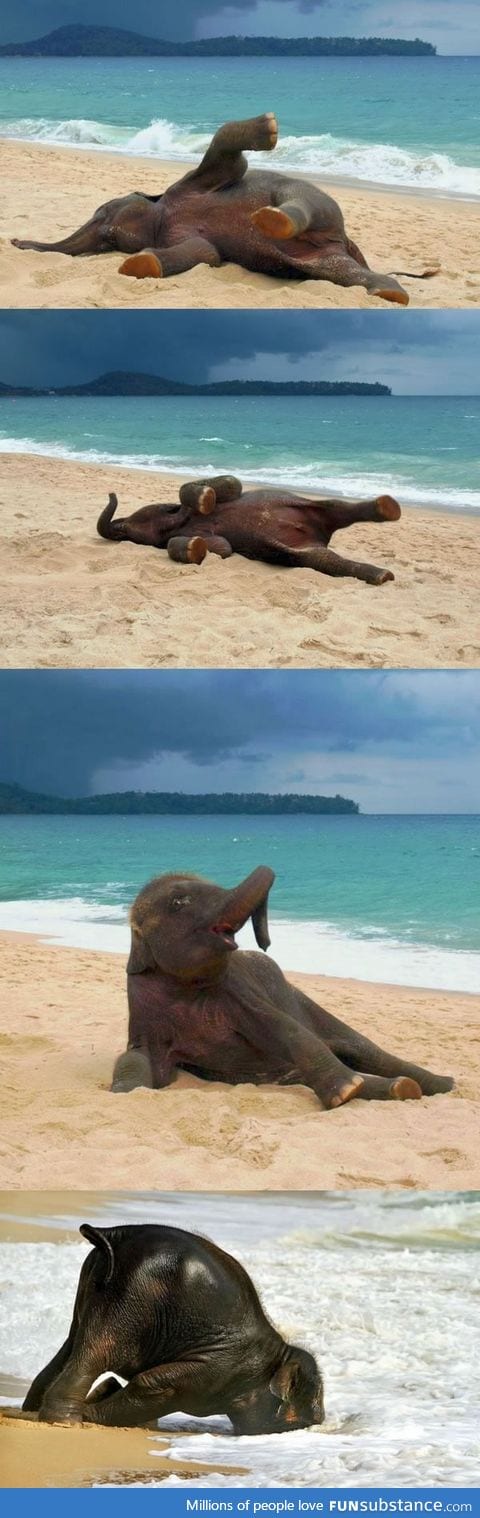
(207, 501)
(197, 550)
(395, 294)
(434, 1085)
(274, 223)
(132, 1069)
(265, 133)
(387, 509)
(187, 550)
(403, 1089)
(338, 1089)
(381, 576)
(142, 266)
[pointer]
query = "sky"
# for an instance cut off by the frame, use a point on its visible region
(395, 741)
(452, 25)
(416, 352)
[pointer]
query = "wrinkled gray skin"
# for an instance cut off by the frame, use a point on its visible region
(198, 1003)
(181, 1322)
(223, 210)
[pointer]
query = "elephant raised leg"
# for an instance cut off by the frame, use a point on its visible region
(151, 1395)
(346, 513)
(294, 215)
(187, 550)
(162, 263)
(203, 495)
(224, 163)
(329, 563)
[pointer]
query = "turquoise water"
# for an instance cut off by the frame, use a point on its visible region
(424, 449)
(403, 121)
(383, 897)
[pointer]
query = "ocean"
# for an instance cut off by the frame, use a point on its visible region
(392, 899)
(422, 448)
(382, 1287)
(410, 123)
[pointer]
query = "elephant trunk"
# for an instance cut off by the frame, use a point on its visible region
(105, 526)
(250, 899)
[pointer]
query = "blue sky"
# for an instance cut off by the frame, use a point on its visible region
(416, 352)
(452, 25)
(398, 741)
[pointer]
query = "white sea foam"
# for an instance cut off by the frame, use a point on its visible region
(336, 157)
(292, 475)
(314, 947)
(385, 1319)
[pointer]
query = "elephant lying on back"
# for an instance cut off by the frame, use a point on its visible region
(197, 1005)
(180, 1321)
(217, 516)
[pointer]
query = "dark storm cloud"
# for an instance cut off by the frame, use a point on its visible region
(60, 728)
(416, 351)
(453, 25)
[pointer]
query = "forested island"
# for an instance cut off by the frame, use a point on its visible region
(14, 800)
(119, 383)
(114, 42)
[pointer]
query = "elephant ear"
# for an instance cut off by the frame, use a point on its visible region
(140, 957)
(283, 1384)
(100, 1240)
(298, 1380)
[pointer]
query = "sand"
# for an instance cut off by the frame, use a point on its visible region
(65, 1020)
(48, 192)
(42, 1455)
(70, 599)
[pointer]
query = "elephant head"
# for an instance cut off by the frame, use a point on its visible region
(185, 927)
(292, 1399)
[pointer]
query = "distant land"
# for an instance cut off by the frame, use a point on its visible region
(14, 800)
(119, 383)
(113, 42)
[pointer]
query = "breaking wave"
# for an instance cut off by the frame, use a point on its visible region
(337, 157)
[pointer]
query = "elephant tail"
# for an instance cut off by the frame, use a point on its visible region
(426, 273)
(106, 527)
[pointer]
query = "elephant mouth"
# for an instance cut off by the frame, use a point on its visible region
(226, 933)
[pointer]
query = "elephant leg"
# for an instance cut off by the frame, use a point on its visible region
(65, 1398)
(151, 1395)
(337, 266)
(132, 1069)
(203, 495)
(161, 263)
(220, 546)
(46, 1377)
(347, 513)
(224, 162)
(379, 1088)
(361, 1054)
(329, 563)
(187, 550)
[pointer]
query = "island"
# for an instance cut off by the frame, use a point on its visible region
(119, 383)
(113, 42)
(15, 800)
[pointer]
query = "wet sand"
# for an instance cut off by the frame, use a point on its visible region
(48, 192)
(71, 600)
(66, 1019)
(42, 1455)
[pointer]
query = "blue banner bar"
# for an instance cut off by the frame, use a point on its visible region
(262, 1502)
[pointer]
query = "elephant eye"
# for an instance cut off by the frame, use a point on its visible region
(178, 901)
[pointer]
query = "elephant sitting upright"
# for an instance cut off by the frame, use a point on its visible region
(181, 1323)
(195, 1004)
(222, 210)
(216, 515)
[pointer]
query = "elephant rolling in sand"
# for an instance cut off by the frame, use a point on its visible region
(181, 1322)
(195, 1004)
(217, 516)
(224, 211)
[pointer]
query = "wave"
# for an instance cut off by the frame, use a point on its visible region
(311, 946)
(336, 157)
(292, 474)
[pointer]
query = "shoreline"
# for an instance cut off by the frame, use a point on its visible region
(341, 181)
(407, 230)
(87, 602)
(185, 471)
(61, 1121)
(46, 1455)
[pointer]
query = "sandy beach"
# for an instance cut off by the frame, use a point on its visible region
(70, 599)
(48, 192)
(42, 1455)
(65, 1020)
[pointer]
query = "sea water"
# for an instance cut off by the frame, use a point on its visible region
(383, 1288)
(392, 899)
(422, 448)
(400, 122)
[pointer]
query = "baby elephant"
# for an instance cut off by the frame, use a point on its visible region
(198, 1004)
(222, 210)
(180, 1321)
(216, 515)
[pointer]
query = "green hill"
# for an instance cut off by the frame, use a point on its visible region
(15, 801)
(114, 42)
